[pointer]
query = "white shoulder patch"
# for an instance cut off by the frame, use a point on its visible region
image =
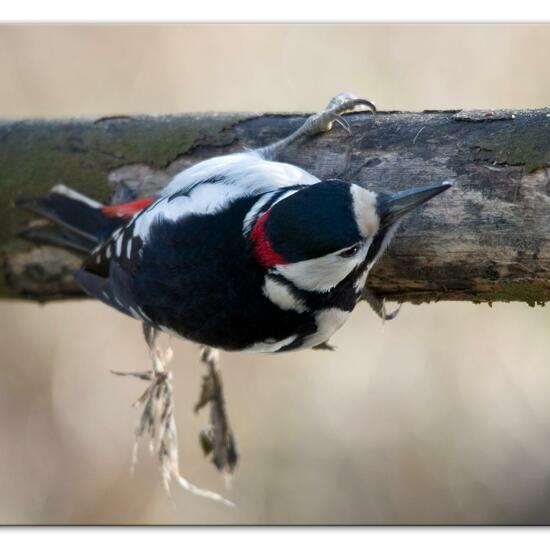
(259, 205)
(254, 211)
(210, 186)
(248, 171)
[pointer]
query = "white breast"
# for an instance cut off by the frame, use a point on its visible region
(328, 322)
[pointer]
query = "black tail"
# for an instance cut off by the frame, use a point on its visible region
(80, 224)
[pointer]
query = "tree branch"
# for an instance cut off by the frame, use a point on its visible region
(487, 239)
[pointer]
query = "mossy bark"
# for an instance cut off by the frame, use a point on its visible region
(486, 239)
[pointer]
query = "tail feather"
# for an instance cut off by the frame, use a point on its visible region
(80, 223)
(72, 211)
(56, 236)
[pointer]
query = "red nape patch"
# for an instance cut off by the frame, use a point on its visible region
(263, 249)
(127, 209)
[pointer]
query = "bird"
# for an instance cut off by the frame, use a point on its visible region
(240, 252)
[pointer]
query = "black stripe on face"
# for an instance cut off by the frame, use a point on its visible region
(376, 245)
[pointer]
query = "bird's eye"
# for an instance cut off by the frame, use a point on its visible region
(349, 252)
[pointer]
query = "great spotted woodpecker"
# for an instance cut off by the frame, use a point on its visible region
(239, 252)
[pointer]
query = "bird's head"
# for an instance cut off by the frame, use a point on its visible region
(317, 236)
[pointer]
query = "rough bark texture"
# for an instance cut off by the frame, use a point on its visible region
(486, 239)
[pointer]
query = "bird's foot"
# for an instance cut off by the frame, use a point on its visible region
(217, 438)
(157, 420)
(320, 122)
(378, 305)
(339, 105)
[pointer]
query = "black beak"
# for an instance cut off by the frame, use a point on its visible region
(391, 208)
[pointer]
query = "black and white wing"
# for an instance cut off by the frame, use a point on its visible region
(247, 173)
(206, 188)
(107, 272)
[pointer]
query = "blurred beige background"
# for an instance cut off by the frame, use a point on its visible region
(441, 416)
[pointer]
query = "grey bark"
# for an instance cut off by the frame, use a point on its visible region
(486, 239)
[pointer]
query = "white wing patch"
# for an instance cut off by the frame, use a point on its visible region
(118, 243)
(206, 188)
(210, 186)
(207, 198)
(248, 171)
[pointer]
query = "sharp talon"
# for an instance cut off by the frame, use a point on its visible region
(392, 315)
(370, 106)
(339, 105)
(346, 102)
(344, 123)
(320, 122)
(378, 305)
(384, 315)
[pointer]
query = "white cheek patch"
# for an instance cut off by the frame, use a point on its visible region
(364, 208)
(324, 273)
(282, 296)
(319, 274)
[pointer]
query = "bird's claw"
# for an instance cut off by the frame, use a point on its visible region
(347, 103)
(321, 122)
(378, 305)
(338, 106)
(343, 123)
(389, 316)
